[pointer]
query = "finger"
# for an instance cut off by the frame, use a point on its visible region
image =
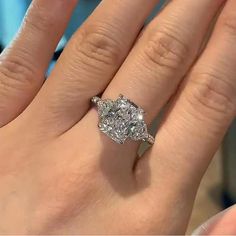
(198, 118)
(164, 54)
(161, 57)
(90, 60)
(221, 224)
(24, 62)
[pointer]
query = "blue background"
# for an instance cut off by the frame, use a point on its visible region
(12, 12)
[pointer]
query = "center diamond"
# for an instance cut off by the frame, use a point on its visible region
(121, 119)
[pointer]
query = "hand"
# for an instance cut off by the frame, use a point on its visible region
(59, 173)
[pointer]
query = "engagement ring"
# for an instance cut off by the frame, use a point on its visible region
(122, 119)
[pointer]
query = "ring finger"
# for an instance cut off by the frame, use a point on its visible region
(161, 57)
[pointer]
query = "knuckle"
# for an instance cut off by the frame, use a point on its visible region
(97, 47)
(15, 71)
(213, 92)
(165, 50)
(39, 19)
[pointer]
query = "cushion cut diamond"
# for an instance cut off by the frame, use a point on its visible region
(121, 119)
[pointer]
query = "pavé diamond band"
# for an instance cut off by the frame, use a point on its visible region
(122, 119)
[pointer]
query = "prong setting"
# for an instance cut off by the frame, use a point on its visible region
(121, 119)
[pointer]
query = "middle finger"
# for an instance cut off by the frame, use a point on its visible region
(89, 62)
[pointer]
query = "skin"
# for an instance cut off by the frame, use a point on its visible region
(221, 224)
(59, 173)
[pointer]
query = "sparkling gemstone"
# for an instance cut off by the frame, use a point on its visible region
(121, 119)
(104, 107)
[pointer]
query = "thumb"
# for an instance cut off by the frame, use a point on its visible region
(223, 223)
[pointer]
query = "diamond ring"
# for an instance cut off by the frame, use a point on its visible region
(122, 119)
